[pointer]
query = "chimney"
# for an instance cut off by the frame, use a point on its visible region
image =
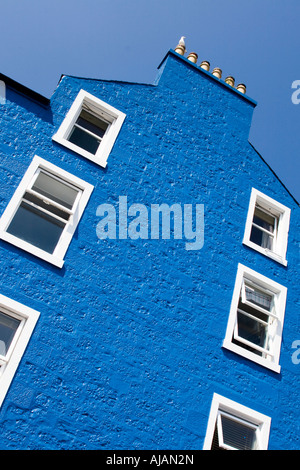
(241, 88)
(217, 72)
(230, 81)
(193, 57)
(205, 65)
(180, 49)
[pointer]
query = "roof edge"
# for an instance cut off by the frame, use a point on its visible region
(276, 176)
(22, 89)
(104, 80)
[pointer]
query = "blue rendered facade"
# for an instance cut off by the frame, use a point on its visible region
(127, 352)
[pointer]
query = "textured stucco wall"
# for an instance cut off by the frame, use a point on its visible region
(127, 352)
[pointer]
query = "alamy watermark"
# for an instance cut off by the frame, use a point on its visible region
(157, 221)
(2, 92)
(296, 94)
(296, 354)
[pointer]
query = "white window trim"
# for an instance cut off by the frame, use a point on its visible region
(57, 256)
(220, 403)
(117, 119)
(283, 213)
(28, 317)
(280, 292)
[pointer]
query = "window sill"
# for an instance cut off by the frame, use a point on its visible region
(266, 252)
(250, 356)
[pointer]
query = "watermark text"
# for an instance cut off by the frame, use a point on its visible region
(296, 93)
(296, 353)
(157, 221)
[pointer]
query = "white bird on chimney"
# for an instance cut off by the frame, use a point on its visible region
(181, 41)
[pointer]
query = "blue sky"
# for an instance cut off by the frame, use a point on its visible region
(256, 41)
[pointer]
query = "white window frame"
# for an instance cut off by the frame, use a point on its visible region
(85, 190)
(102, 110)
(282, 214)
(240, 413)
(9, 363)
(271, 360)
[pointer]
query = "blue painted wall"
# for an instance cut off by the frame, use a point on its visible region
(127, 352)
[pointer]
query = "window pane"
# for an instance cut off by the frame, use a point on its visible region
(251, 330)
(261, 218)
(36, 227)
(8, 328)
(84, 140)
(215, 443)
(238, 435)
(55, 189)
(259, 298)
(48, 207)
(92, 123)
(261, 238)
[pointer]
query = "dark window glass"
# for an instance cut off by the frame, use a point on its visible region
(251, 330)
(264, 220)
(84, 140)
(88, 123)
(45, 205)
(55, 189)
(92, 123)
(8, 328)
(238, 435)
(267, 222)
(36, 227)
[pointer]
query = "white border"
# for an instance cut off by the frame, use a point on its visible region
(110, 136)
(240, 411)
(30, 318)
(279, 252)
(57, 256)
(280, 293)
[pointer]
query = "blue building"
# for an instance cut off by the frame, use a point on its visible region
(149, 258)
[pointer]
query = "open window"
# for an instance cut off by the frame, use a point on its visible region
(256, 318)
(44, 211)
(17, 323)
(233, 433)
(232, 426)
(90, 128)
(267, 226)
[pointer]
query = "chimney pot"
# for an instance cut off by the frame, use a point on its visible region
(242, 88)
(205, 65)
(180, 49)
(192, 57)
(217, 72)
(230, 81)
